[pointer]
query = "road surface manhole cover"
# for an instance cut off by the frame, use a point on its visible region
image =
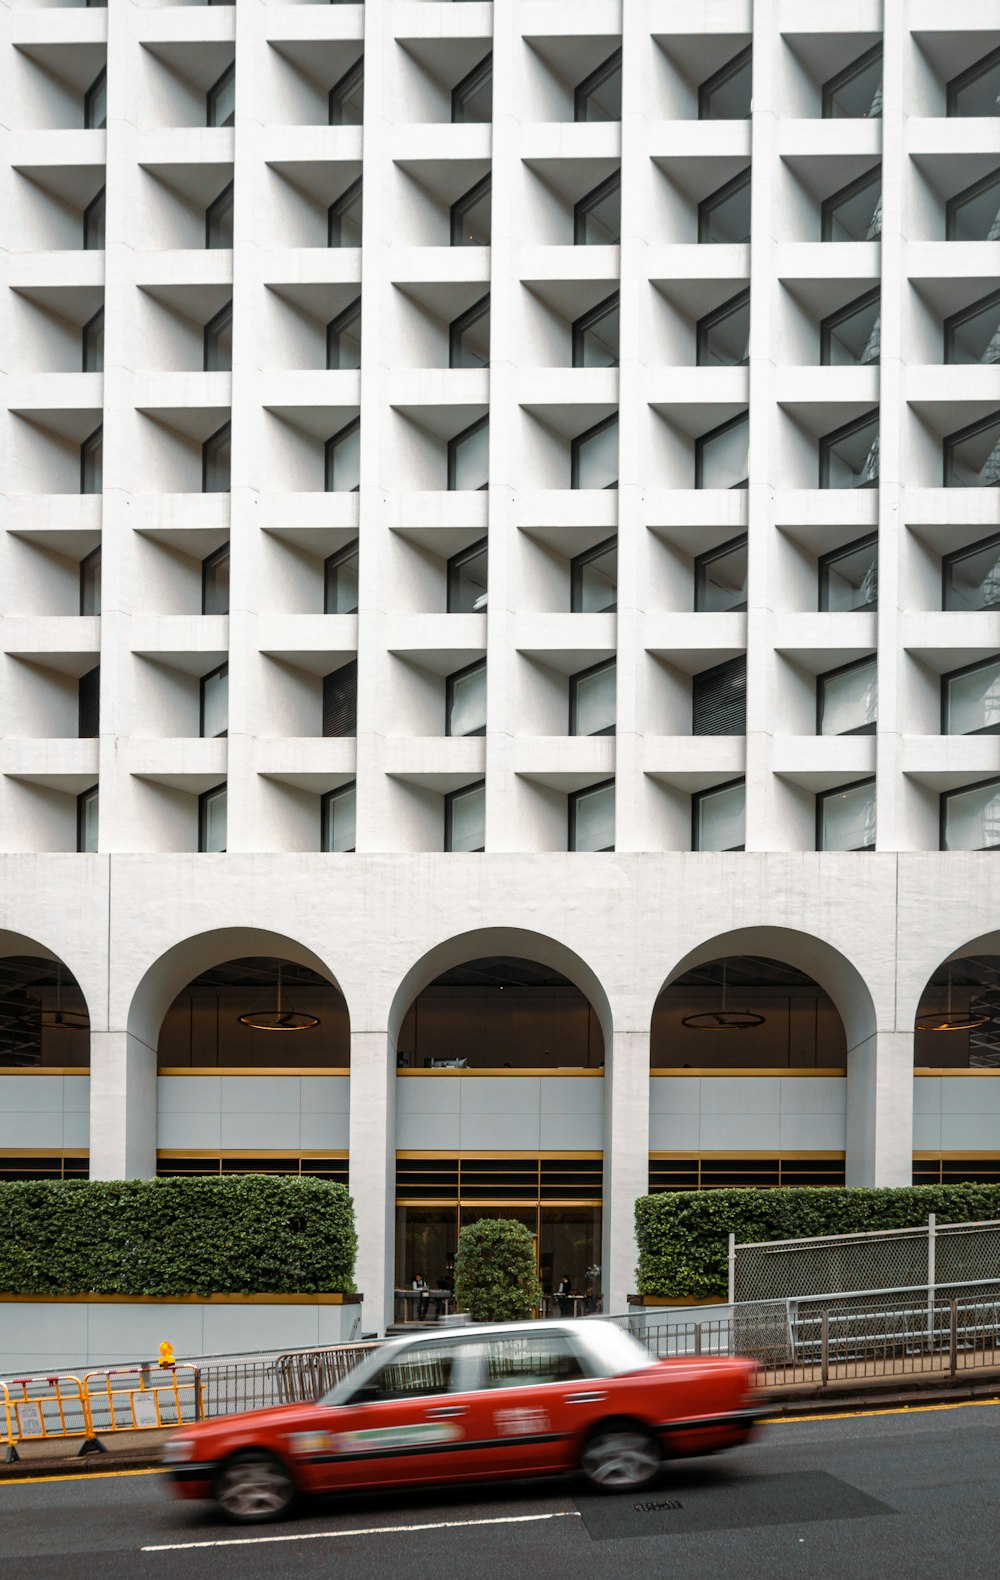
(794, 1499)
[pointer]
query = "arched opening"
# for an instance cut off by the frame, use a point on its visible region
(252, 1047)
(44, 1034)
(256, 1013)
(956, 1055)
(500, 1051)
(749, 1044)
(500, 1012)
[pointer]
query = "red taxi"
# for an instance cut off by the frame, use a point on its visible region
(470, 1404)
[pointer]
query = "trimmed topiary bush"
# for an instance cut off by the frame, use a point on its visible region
(245, 1234)
(683, 1236)
(495, 1279)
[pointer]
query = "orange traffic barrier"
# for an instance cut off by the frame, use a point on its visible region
(143, 1398)
(43, 1407)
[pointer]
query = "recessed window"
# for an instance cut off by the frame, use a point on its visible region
(218, 341)
(95, 103)
(719, 699)
(973, 336)
(90, 583)
(340, 700)
(216, 461)
(343, 459)
(970, 699)
(592, 817)
(86, 820)
(726, 94)
(89, 704)
(856, 92)
(847, 699)
(849, 457)
(597, 217)
(469, 337)
(214, 690)
(212, 819)
(599, 96)
(469, 456)
(93, 343)
(724, 216)
(343, 338)
(971, 576)
(347, 97)
(592, 700)
(976, 91)
(593, 579)
(215, 582)
(465, 818)
(848, 577)
(721, 456)
(465, 700)
(219, 219)
(972, 455)
(220, 100)
(343, 227)
(852, 337)
(340, 581)
(338, 819)
(970, 818)
(93, 223)
(720, 578)
(854, 213)
(596, 336)
(718, 817)
(974, 214)
(472, 98)
(92, 462)
(470, 216)
(594, 456)
(845, 818)
(723, 336)
(467, 580)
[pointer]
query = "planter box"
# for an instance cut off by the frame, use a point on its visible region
(80, 1332)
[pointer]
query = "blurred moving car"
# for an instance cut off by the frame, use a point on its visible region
(470, 1404)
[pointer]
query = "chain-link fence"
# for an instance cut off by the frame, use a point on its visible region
(928, 1254)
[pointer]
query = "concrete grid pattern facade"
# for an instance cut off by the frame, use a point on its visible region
(141, 910)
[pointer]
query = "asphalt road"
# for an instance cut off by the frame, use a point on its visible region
(908, 1494)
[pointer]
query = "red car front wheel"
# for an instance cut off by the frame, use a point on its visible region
(251, 1488)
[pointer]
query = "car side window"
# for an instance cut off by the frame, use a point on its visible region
(418, 1371)
(523, 1359)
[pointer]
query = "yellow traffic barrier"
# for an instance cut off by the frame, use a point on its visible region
(143, 1398)
(39, 1408)
(10, 1453)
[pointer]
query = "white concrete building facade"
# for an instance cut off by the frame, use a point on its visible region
(487, 483)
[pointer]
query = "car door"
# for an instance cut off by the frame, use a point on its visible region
(408, 1422)
(535, 1399)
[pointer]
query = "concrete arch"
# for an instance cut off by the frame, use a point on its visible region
(837, 975)
(516, 941)
(172, 971)
(12, 943)
(918, 979)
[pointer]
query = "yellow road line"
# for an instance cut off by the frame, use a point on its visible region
(79, 1475)
(899, 1409)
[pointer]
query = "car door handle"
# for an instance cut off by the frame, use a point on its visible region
(445, 1411)
(585, 1398)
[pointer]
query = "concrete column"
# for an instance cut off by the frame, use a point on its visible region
(373, 1171)
(880, 1110)
(626, 1159)
(122, 1106)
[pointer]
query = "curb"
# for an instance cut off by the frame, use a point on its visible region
(92, 1465)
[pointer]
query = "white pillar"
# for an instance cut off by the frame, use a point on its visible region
(122, 1106)
(880, 1110)
(626, 1159)
(372, 1172)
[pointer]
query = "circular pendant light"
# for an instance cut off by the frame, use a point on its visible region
(723, 1019)
(282, 1018)
(953, 1020)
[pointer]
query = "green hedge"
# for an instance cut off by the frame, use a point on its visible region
(495, 1271)
(683, 1236)
(248, 1234)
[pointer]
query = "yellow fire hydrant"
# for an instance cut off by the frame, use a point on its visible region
(167, 1357)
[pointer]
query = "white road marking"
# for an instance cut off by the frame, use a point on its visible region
(371, 1530)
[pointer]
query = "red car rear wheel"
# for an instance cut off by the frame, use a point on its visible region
(620, 1456)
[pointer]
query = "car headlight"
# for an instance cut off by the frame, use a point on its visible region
(177, 1449)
